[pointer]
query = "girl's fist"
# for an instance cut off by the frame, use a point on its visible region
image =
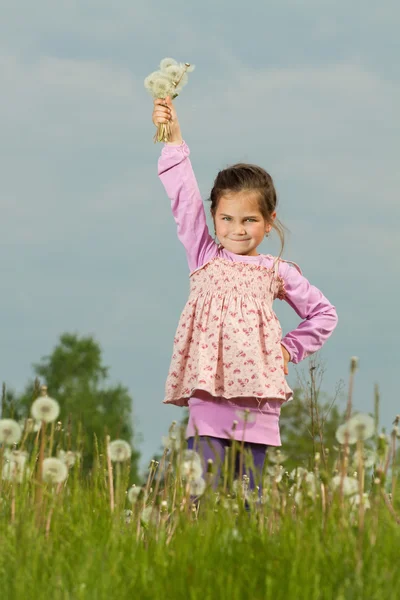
(163, 111)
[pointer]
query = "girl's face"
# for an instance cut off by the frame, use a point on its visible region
(239, 224)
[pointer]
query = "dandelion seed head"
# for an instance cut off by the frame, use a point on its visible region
(151, 79)
(69, 457)
(355, 500)
(350, 485)
(134, 493)
(146, 515)
(174, 72)
(14, 469)
(54, 470)
(10, 432)
(45, 409)
(172, 441)
(167, 63)
(276, 456)
(191, 469)
(119, 451)
(162, 87)
(191, 456)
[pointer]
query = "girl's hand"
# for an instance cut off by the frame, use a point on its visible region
(286, 359)
(164, 112)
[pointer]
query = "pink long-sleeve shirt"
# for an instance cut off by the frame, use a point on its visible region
(208, 415)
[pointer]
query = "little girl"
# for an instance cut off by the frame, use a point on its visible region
(228, 353)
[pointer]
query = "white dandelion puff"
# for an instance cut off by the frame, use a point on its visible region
(356, 500)
(172, 441)
(191, 469)
(190, 68)
(298, 473)
(14, 469)
(181, 83)
(369, 458)
(166, 63)
(197, 487)
(69, 457)
(151, 79)
(45, 408)
(276, 472)
(359, 427)
(363, 425)
(350, 485)
(174, 72)
(191, 456)
(276, 456)
(54, 470)
(162, 87)
(298, 498)
(10, 432)
(119, 451)
(344, 431)
(134, 493)
(146, 515)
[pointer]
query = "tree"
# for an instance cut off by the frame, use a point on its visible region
(76, 378)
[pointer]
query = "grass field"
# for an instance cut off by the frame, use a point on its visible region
(317, 534)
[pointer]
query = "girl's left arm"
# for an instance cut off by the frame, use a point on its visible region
(318, 314)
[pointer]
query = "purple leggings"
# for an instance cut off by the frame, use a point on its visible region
(214, 448)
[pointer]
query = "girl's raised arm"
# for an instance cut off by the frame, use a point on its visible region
(177, 176)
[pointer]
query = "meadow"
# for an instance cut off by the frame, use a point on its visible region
(328, 530)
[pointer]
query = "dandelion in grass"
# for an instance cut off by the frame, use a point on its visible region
(45, 408)
(119, 451)
(191, 456)
(191, 469)
(54, 470)
(133, 494)
(14, 469)
(276, 456)
(350, 484)
(359, 427)
(369, 458)
(128, 516)
(69, 457)
(276, 473)
(355, 500)
(197, 487)
(146, 515)
(172, 441)
(10, 432)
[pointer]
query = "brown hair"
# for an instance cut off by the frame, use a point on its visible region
(246, 177)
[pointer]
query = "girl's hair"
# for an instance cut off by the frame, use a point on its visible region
(244, 177)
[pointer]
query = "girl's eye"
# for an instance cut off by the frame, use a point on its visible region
(254, 220)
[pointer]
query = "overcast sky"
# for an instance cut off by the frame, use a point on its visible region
(309, 90)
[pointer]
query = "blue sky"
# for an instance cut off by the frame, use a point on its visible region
(308, 90)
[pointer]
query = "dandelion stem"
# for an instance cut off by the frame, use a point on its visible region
(39, 477)
(110, 474)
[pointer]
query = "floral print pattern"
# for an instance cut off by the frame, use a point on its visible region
(228, 340)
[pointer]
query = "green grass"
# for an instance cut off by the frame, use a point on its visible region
(217, 549)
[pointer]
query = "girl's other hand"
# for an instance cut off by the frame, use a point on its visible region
(164, 112)
(286, 359)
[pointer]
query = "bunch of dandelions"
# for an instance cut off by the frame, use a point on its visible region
(169, 80)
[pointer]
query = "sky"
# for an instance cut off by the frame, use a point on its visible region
(309, 90)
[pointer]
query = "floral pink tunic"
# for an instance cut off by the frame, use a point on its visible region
(227, 352)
